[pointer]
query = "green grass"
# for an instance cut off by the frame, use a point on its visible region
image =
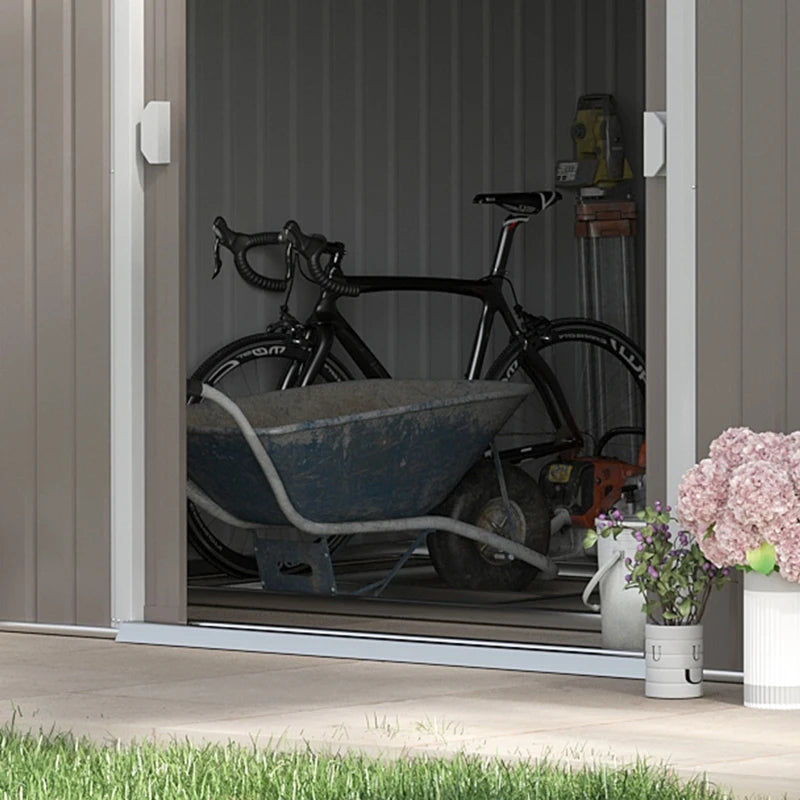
(57, 766)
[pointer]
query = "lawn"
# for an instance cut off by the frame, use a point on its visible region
(54, 766)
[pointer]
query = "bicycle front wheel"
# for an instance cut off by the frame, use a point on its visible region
(602, 375)
(252, 365)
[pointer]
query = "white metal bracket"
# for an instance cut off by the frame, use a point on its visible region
(155, 131)
(655, 144)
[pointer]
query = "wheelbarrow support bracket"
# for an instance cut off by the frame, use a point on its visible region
(281, 562)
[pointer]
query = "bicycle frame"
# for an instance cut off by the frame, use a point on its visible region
(328, 325)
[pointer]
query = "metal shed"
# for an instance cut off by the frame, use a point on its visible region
(95, 281)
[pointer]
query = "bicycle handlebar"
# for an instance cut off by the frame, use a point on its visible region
(311, 247)
(239, 244)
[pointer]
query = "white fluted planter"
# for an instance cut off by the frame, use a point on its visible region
(771, 642)
(621, 616)
(673, 661)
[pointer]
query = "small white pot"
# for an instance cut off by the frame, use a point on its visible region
(673, 661)
(771, 642)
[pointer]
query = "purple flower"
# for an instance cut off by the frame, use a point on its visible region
(628, 578)
(638, 536)
(628, 561)
(657, 505)
(649, 540)
(640, 547)
(652, 571)
(706, 566)
(726, 572)
(668, 509)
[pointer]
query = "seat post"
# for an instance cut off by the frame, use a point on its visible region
(504, 241)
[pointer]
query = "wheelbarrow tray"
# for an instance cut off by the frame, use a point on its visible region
(349, 451)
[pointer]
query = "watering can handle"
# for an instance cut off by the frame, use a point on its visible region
(597, 577)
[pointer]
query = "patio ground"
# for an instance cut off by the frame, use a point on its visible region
(108, 691)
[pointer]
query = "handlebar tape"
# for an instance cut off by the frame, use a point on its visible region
(239, 244)
(311, 248)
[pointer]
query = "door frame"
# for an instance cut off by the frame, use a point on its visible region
(148, 541)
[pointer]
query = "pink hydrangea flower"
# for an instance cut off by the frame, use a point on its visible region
(787, 551)
(733, 540)
(767, 446)
(715, 552)
(761, 492)
(793, 462)
(791, 447)
(745, 493)
(702, 494)
(727, 449)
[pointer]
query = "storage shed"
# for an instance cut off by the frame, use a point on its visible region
(104, 309)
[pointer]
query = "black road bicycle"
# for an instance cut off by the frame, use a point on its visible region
(589, 381)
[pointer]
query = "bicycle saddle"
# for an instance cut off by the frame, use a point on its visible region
(520, 202)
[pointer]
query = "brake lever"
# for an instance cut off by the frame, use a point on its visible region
(217, 258)
(290, 261)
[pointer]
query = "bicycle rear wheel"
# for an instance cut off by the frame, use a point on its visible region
(251, 365)
(602, 374)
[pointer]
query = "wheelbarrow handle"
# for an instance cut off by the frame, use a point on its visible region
(194, 390)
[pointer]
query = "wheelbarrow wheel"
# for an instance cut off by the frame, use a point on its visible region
(466, 564)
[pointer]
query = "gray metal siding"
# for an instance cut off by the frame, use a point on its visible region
(165, 367)
(655, 265)
(747, 101)
(375, 123)
(54, 356)
(748, 107)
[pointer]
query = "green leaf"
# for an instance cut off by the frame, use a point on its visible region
(590, 539)
(685, 606)
(762, 559)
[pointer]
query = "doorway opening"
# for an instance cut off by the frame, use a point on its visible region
(375, 124)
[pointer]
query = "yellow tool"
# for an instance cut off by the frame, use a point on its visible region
(599, 147)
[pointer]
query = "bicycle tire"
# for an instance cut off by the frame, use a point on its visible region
(270, 358)
(602, 373)
(465, 564)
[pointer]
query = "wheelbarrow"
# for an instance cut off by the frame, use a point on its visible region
(371, 456)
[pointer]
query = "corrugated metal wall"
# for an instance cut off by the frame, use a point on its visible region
(748, 111)
(375, 123)
(54, 312)
(165, 365)
(656, 263)
(748, 285)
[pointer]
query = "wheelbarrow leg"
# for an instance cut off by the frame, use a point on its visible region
(281, 562)
(501, 480)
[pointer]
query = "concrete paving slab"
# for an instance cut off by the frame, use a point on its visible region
(90, 708)
(317, 685)
(110, 691)
(159, 666)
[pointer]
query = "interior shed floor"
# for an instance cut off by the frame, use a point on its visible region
(417, 601)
